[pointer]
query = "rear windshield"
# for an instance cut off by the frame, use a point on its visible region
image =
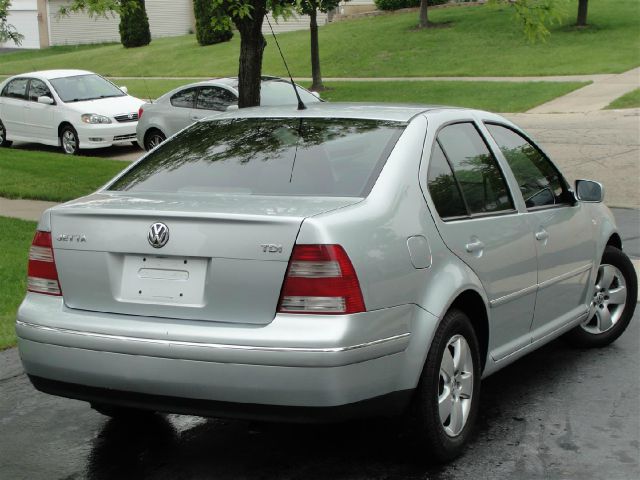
(257, 156)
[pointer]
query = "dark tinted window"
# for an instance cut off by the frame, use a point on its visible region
(215, 98)
(16, 88)
(185, 98)
(257, 156)
(37, 88)
(442, 186)
(540, 182)
(477, 171)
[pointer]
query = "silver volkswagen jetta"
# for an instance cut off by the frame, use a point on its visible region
(337, 261)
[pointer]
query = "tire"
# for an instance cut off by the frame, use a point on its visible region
(442, 433)
(115, 411)
(153, 138)
(3, 137)
(613, 303)
(69, 140)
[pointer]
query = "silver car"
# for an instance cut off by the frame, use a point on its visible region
(185, 105)
(339, 261)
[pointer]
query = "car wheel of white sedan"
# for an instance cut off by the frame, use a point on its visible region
(612, 304)
(446, 401)
(69, 140)
(3, 137)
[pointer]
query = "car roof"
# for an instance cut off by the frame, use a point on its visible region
(51, 74)
(373, 111)
(231, 82)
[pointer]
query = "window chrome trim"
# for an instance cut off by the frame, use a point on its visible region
(216, 346)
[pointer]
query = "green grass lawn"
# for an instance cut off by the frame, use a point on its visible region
(52, 176)
(495, 96)
(14, 247)
(480, 40)
(629, 100)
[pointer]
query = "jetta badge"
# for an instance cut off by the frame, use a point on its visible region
(158, 235)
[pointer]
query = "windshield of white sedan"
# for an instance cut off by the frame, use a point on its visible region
(257, 156)
(84, 87)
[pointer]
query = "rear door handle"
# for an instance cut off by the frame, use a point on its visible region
(474, 246)
(542, 235)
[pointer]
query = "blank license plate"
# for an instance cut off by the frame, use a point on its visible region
(163, 280)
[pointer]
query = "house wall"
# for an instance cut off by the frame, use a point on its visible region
(23, 15)
(166, 18)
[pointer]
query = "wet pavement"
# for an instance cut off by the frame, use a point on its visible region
(557, 413)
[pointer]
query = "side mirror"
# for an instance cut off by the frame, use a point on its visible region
(589, 191)
(124, 89)
(46, 100)
(232, 107)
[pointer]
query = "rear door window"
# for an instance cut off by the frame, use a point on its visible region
(482, 183)
(540, 181)
(16, 89)
(443, 188)
(185, 98)
(258, 156)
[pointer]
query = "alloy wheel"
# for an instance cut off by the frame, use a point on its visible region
(69, 142)
(455, 385)
(609, 299)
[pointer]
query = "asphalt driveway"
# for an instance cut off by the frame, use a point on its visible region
(559, 413)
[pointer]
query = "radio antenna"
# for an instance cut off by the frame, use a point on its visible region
(301, 105)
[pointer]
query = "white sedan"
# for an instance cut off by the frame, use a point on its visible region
(72, 109)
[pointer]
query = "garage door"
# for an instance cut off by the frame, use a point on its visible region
(23, 14)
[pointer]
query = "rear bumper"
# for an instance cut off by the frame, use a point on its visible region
(295, 361)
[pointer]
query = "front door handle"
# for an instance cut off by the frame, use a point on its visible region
(542, 235)
(474, 246)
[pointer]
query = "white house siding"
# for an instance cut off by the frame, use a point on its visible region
(79, 28)
(166, 18)
(295, 22)
(169, 18)
(23, 15)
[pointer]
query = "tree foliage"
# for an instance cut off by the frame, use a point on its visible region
(205, 33)
(536, 16)
(7, 31)
(134, 23)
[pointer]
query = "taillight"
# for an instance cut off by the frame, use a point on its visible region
(42, 274)
(140, 112)
(320, 279)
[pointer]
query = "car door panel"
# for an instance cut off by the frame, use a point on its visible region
(13, 113)
(561, 228)
(39, 117)
(496, 243)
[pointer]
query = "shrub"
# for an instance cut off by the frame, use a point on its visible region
(205, 34)
(398, 4)
(134, 24)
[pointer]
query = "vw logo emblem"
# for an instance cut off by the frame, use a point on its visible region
(158, 235)
(131, 116)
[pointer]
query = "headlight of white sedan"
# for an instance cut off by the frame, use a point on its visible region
(94, 118)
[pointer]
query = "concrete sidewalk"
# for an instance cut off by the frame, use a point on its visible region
(594, 97)
(23, 209)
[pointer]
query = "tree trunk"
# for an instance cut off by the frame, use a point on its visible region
(252, 44)
(315, 51)
(424, 17)
(582, 13)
